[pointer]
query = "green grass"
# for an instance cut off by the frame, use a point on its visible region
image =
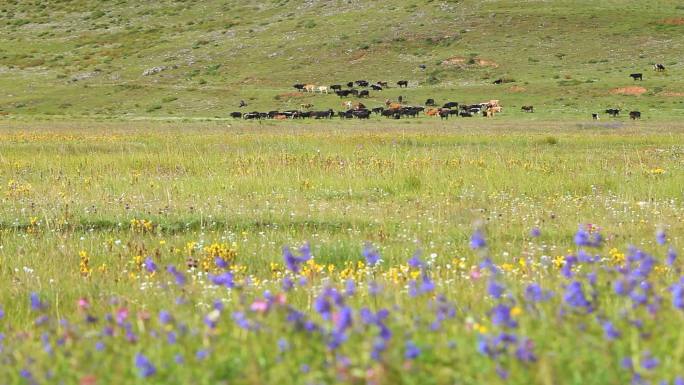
(565, 57)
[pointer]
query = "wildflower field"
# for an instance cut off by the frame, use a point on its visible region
(479, 252)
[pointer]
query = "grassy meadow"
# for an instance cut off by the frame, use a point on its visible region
(93, 214)
(148, 238)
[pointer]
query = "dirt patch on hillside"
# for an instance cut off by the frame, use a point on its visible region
(517, 89)
(459, 61)
(357, 56)
(671, 93)
(673, 21)
(628, 90)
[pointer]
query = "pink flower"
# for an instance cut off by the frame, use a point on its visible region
(121, 314)
(259, 306)
(82, 304)
(475, 273)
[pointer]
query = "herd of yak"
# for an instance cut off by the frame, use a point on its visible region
(397, 110)
(391, 109)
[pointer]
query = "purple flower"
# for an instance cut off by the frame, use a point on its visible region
(610, 331)
(149, 264)
(201, 354)
(415, 261)
(661, 237)
(287, 284)
(495, 289)
(574, 296)
(99, 346)
(165, 317)
(412, 351)
(343, 319)
(534, 293)
(477, 240)
(525, 351)
(678, 294)
(671, 256)
(349, 287)
(371, 255)
(649, 362)
(220, 263)
(223, 279)
(36, 303)
(501, 316)
(293, 262)
(427, 285)
(145, 367)
(2, 312)
(535, 232)
(178, 276)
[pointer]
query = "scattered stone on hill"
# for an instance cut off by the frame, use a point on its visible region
(85, 75)
(156, 70)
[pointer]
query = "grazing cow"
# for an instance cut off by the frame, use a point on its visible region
(354, 92)
(322, 89)
(347, 104)
(492, 103)
(236, 115)
(495, 109)
(345, 114)
(378, 110)
(422, 66)
(634, 115)
(361, 114)
(251, 115)
(280, 117)
(410, 111)
(595, 116)
(306, 106)
(243, 104)
(444, 113)
(343, 93)
(432, 112)
(498, 81)
(394, 106)
(364, 94)
(359, 106)
(637, 76)
(400, 99)
(527, 108)
(335, 87)
(450, 105)
(402, 83)
(465, 114)
(361, 83)
(323, 114)
(382, 84)
(309, 88)
(376, 87)
(430, 102)
(659, 67)
(350, 84)
(273, 114)
(613, 112)
(292, 114)
(299, 86)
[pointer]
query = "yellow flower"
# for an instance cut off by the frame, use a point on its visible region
(516, 311)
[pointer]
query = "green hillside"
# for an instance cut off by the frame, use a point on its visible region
(567, 58)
